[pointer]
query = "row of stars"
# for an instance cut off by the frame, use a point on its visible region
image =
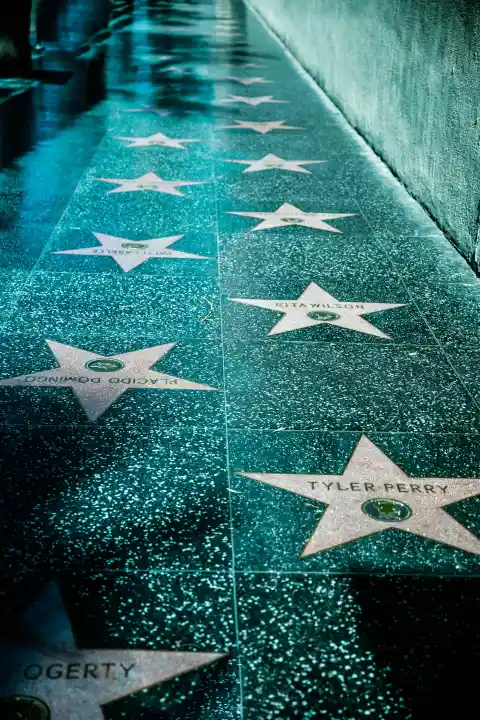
(35, 687)
(98, 380)
(424, 516)
(372, 494)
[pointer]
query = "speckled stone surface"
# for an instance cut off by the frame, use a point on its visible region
(355, 647)
(147, 498)
(353, 257)
(345, 386)
(165, 462)
(51, 303)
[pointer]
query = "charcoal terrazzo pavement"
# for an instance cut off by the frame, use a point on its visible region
(165, 551)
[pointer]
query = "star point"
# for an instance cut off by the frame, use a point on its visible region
(374, 494)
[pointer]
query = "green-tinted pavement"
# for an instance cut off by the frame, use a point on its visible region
(239, 404)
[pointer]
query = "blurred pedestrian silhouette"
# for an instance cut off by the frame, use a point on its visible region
(15, 51)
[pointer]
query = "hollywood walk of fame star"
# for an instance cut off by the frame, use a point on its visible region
(149, 109)
(129, 254)
(250, 80)
(257, 66)
(226, 33)
(147, 27)
(260, 127)
(288, 215)
(254, 101)
(100, 380)
(56, 680)
(374, 494)
(159, 139)
(174, 70)
(203, 72)
(150, 181)
(273, 162)
(155, 58)
(317, 307)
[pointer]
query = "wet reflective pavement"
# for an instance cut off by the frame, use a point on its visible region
(239, 404)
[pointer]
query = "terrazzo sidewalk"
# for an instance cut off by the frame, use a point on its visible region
(290, 529)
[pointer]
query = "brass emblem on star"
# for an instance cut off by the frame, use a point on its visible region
(105, 365)
(387, 510)
(134, 246)
(22, 707)
(323, 315)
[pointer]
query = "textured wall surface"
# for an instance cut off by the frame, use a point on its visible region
(406, 73)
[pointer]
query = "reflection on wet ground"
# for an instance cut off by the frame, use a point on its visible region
(238, 417)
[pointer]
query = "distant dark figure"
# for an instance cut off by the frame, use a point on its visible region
(15, 52)
(46, 16)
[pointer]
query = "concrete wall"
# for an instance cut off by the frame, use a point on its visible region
(406, 73)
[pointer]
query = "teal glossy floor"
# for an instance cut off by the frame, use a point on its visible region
(239, 398)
